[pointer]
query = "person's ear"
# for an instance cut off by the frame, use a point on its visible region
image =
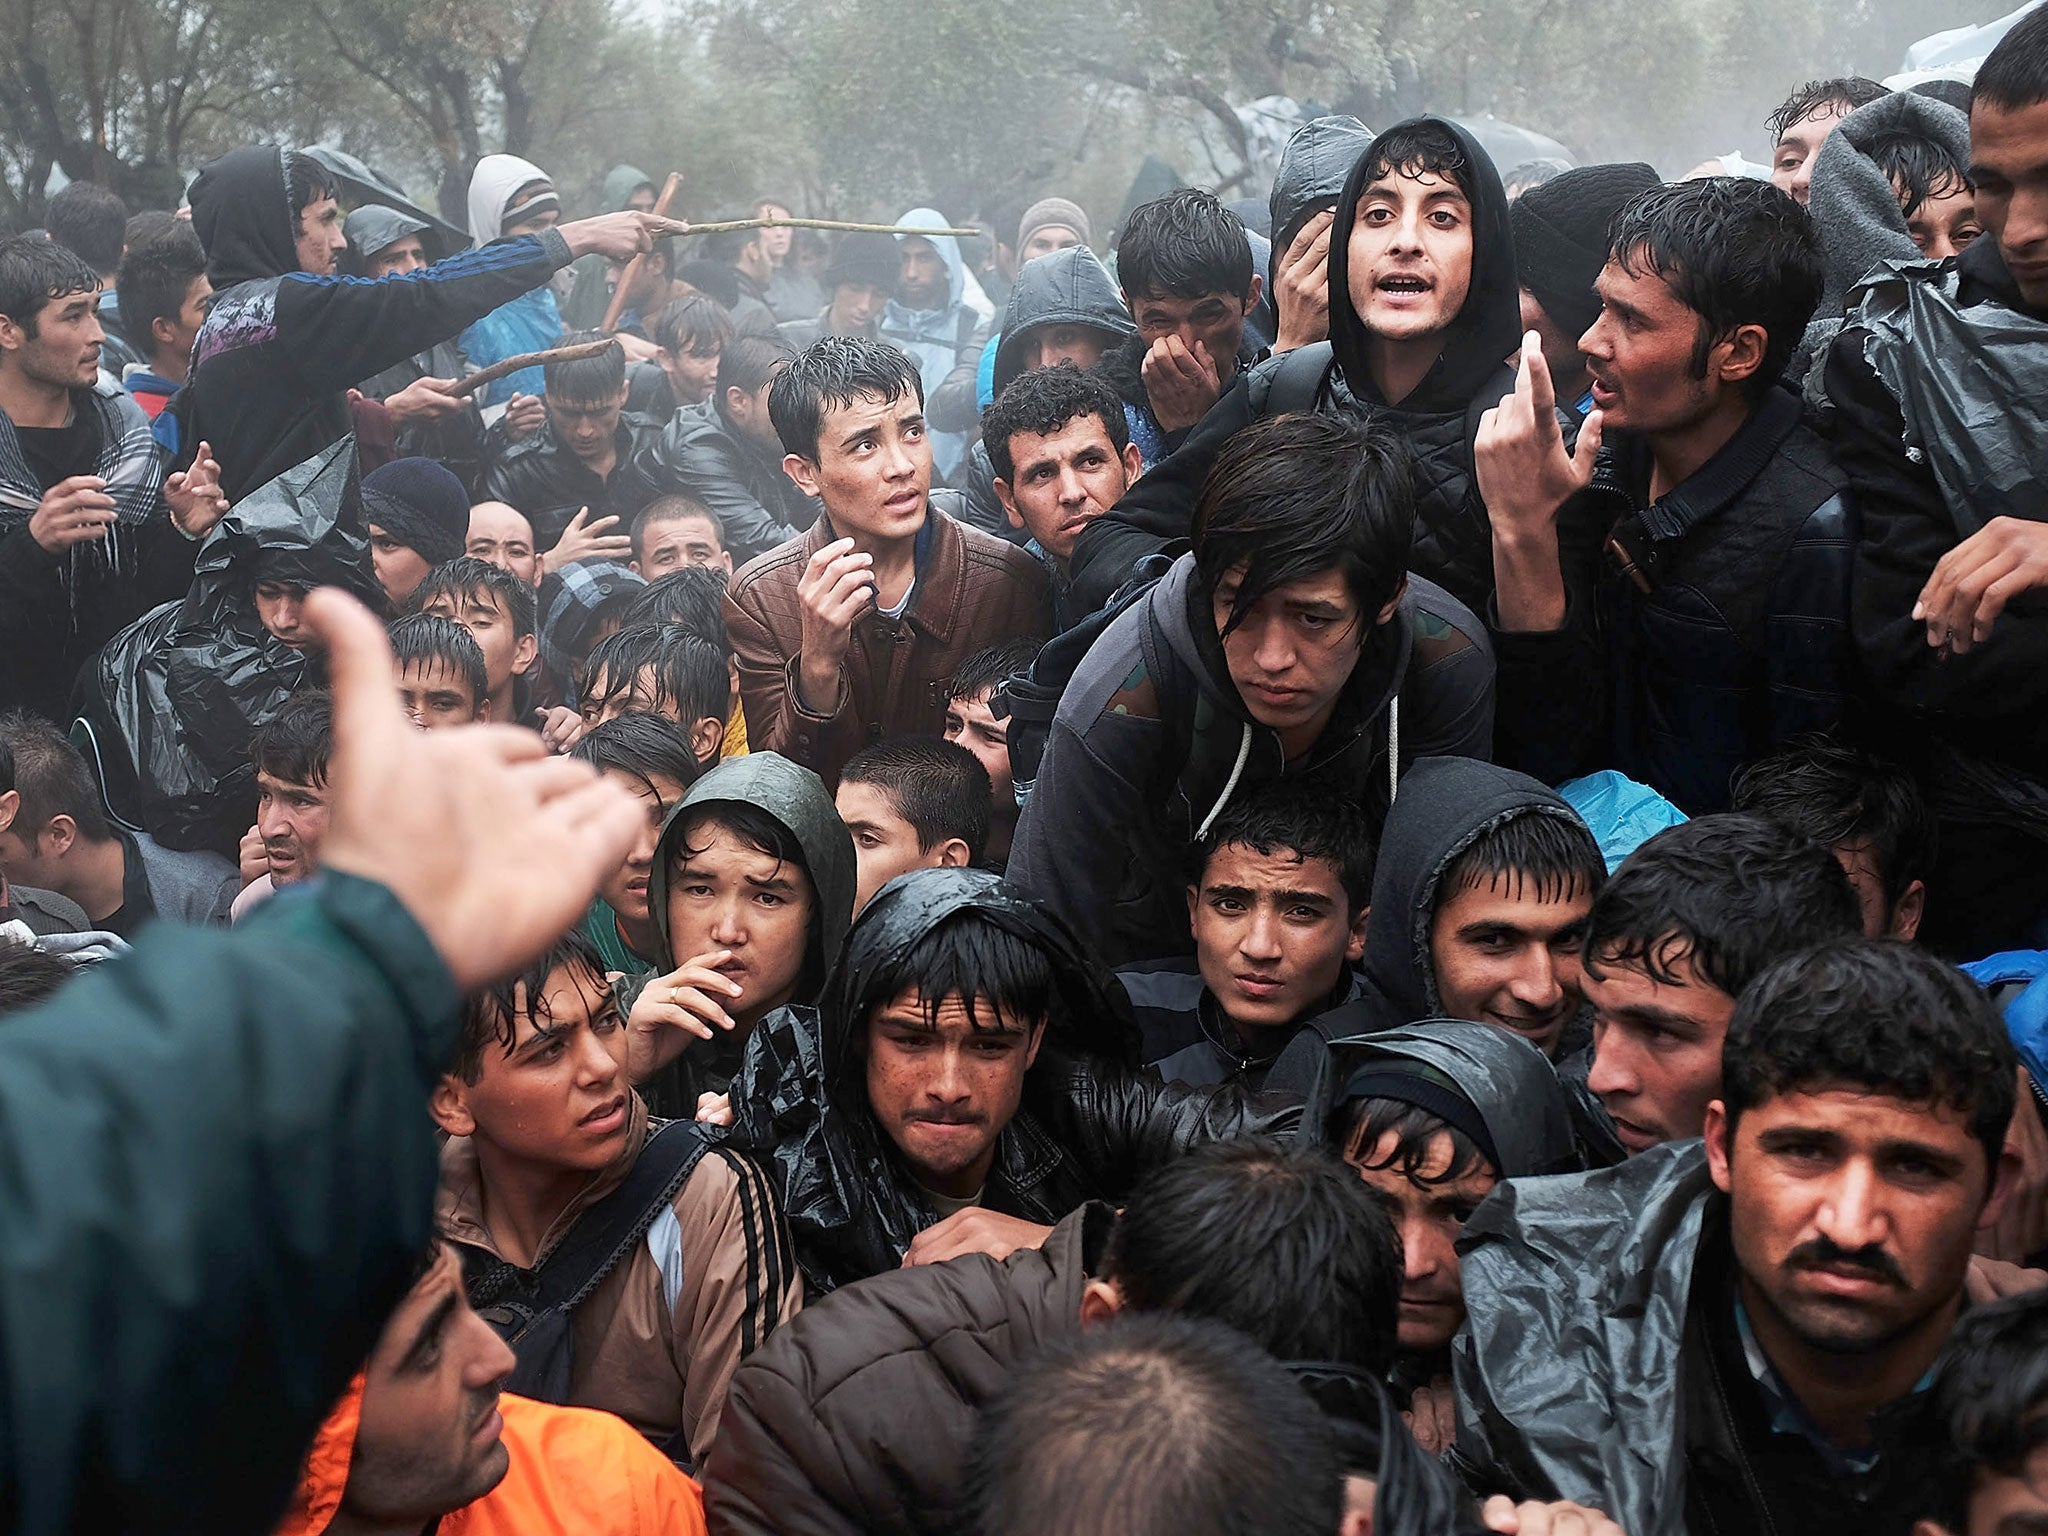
(1194, 896)
(1361, 1494)
(525, 652)
(1253, 294)
(1393, 605)
(449, 1105)
(1740, 353)
(1717, 1132)
(952, 854)
(12, 336)
(1009, 501)
(1134, 463)
(625, 390)
(1929, 1528)
(803, 471)
(163, 331)
(2005, 1179)
(1354, 945)
(1907, 912)
(10, 807)
(1101, 1301)
(59, 835)
(707, 739)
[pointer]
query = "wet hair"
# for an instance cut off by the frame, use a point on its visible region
(427, 638)
(586, 380)
(1990, 1391)
(690, 324)
(296, 744)
(688, 674)
(147, 225)
(490, 1015)
(155, 276)
(1877, 1017)
(1358, 1126)
(1294, 496)
(1844, 94)
(725, 246)
(751, 825)
(306, 182)
(830, 374)
(1729, 894)
(468, 578)
(639, 745)
(675, 509)
(36, 273)
(1289, 816)
(50, 776)
(692, 598)
(1918, 168)
(1154, 1426)
(1041, 401)
(996, 973)
(1285, 1244)
(91, 220)
(1416, 148)
(1537, 853)
(748, 363)
(1734, 251)
(1533, 173)
(1833, 794)
(939, 787)
(1183, 245)
(982, 671)
(29, 975)
(2015, 73)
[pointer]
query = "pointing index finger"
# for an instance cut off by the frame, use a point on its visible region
(1541, 394)
(360, 664)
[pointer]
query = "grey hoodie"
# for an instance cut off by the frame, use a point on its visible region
(1066, 287)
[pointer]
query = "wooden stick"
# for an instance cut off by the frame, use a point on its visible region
(838, 224)
(476, 381)
(617, 307)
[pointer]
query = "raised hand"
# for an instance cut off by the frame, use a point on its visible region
(619, 236)
(73, 511)
(584, 539)
(194, 495)
(689, 1002)
(833, 591)
(1301, 293)
(1181, 382)
(425, 400)
(1525, 478)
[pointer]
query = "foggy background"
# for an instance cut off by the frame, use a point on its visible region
(857, 108)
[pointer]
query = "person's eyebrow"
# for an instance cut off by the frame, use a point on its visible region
(1306, 898)
(430, 1329)
(1241, 892)
(772, 883)
(1662, 1018)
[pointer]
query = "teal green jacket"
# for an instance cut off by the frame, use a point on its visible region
(216, 1180)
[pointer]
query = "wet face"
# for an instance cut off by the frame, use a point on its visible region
(1062, 481)
(944, 1088)
(174, 337)
(436, 694)
(281, 607)
(922, 280)
(60, 347)
(970, 724)
(1216, 320)
(855, 307)
(1294, 652)
(400, 568)
(430, 1439)
(1792, 161)
(402, 255)
(291, 818)
(884, 843)
(724, 893)
(1504, 954)
(1656, 1049)
(1641, 356)
(2009, 167)
(320, 240)
(676, 542)
(587, 428)
(626, 891)
(1273, 933)
(1561, 354)
(692, 372)
(557, 1098)
(1409, 259)
(507, 654)
(1046, 239)
(1945, 222)
(1428, 1210)
(1852, 1214)
(501, 535)
(1081, 345)
(873, 470)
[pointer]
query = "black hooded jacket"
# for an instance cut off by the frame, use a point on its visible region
(280, 348)
(1438, 419)
(701, 455)
(1091, 1121)
(1313, 169)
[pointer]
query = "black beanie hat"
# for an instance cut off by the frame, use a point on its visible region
(865, 257)
(420, 504)
(1560, 234)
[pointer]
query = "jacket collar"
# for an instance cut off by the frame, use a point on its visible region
(938, 605)
(459, 1204)
(1716, 484)
(1026, 1156)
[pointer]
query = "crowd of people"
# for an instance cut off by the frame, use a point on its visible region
(1371, 865)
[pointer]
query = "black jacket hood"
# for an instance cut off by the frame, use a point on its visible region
(1488, 327)
(1444, 805)
(1065, 287)
(1314, 168)
(242, 213)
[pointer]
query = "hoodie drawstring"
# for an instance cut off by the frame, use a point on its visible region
(1244, 752)
(1393, 749)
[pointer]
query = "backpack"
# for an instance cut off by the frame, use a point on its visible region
(534, 1310)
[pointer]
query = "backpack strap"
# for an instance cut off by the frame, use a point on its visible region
(1297, 383)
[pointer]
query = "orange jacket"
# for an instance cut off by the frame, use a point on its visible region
(574, 1472)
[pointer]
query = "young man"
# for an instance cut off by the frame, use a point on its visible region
(725, 454)
(1674, 939)
(418, 517)
(163, 293)
(1949, 555)
(860, 280)
(912, 803)
(512, 199)
(972, 724)
(503, 535)
(651, 760)
(543, 1126)
(1283, 645)
(660, 669)
(930, 320)
(1422, 308)
(676, 531)
(1061, 455)
(1802, 123)
(1990, 1389)
(1480, 899)
(740, 256)
(496, 607)
(440, 672)
(693, 598)
(581, 458)
(1794, 1277)
(1278, 907)
(426, 1436)
(55, 836)
(1867, 809)
(291, 754)
(1676, 603)
(690, 335)
(849, 632)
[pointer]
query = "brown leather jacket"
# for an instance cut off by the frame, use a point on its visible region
(973, 591)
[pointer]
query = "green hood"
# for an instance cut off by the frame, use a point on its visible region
(621, 182)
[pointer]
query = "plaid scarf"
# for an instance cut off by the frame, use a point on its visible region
(129, 461)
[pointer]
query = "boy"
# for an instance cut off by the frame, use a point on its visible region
(971, 723)
(1278, 908)
(163, 293)
(850, 631)
(291, 753)
(694, 598)
(440, 672)
(496, 607)
(1991, 1389)
(651, 759)
(542, 1126)
(689, 336)
(912, 803)
(677, 531)
(659, 669)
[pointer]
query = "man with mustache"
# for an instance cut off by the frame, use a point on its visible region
(1736, 1334)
